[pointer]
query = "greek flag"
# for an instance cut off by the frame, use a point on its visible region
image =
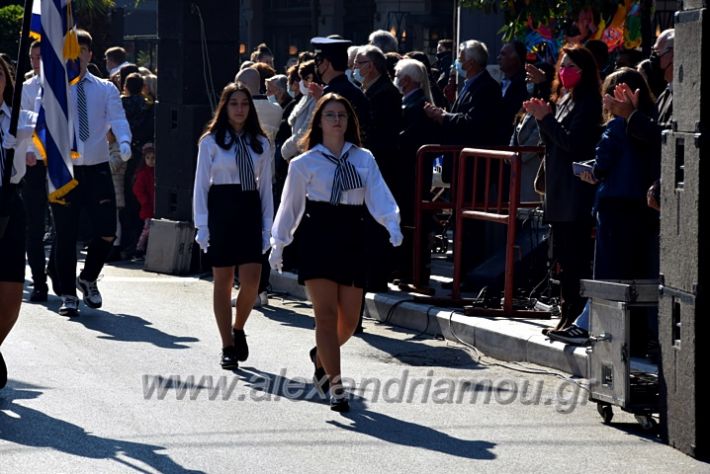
(54, 134)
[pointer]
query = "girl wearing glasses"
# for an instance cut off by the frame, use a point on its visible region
(328, 190)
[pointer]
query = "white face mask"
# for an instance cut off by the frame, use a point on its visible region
(292, 93)
(272, 99)
(398, 84)
(303, 88)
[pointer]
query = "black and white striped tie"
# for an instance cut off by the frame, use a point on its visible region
(245, 165)
(346, 177)
(83, 112)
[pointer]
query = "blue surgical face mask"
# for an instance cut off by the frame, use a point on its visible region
(292, 93)
(357, 76)
(398, 84)
(272, 99)
(349, 74)
(459, 68)
(303, 87)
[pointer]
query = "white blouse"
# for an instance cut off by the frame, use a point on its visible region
(25, 128)
(215, 165)
(310, 176)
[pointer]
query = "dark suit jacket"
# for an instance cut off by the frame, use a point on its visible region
(571, 135)
(417, 130)
(385, 124)
(474, 119)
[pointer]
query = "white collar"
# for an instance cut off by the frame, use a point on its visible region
(4, 108)
(346, 147)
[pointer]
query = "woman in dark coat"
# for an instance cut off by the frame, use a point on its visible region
(570, 134)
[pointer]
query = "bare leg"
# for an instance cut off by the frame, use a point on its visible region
(324, 294)
(221, 302)
(349, 302)
(10, 301)
(249, 275)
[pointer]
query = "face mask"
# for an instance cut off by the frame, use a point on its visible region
(459, 68)
(398, 85)
(349, 74)
(303, 87)
(443, 56)
(358, 76)
(292, 93)
(570, 77)
(530, 86)
(272, 99)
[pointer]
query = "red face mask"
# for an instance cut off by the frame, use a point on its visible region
(570, 77)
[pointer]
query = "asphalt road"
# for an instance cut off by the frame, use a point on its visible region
(137, 387)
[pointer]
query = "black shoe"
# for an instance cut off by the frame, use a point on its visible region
(39, 294)
(229, 358)
(70, 306)
(3, 372)
(320, 378)
(573, 335)
(339, 401)
(240, 344)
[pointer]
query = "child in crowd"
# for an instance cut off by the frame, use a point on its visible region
(144, 190)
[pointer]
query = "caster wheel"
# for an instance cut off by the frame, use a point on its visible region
(646, 421)
(606, 412)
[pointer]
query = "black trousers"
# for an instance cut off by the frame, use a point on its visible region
(95, 195)
(34, 195)
(572, 249)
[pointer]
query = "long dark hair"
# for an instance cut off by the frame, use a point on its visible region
(223, 131)
(9, 83)
(314, 135)
(635, 80)
(589, 83)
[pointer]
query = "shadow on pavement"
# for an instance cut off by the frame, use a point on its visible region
(124, 327)
(28, 427)
(266, 386)
(414, 352)
(397, 431)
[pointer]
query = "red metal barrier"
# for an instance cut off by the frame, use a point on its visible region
(422, 206)
(481, 208)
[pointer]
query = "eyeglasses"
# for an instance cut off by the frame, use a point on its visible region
(333, 116)
(360, 63)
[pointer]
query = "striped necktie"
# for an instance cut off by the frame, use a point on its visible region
(83, 112)
(346, 177)
(245, 165)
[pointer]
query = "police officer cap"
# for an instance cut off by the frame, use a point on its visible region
(330, 47)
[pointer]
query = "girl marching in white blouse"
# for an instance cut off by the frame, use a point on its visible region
(327, 192)
(233, 211)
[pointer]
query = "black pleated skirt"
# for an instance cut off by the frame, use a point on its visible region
(332, 244)
(235, 221)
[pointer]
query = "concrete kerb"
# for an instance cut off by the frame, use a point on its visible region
(503, 338)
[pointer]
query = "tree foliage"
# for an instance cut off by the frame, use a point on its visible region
(10, 25)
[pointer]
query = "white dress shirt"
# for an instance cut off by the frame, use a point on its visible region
(215, 165)
(25, 128)
(105, 111)
(30, 101)
(310, 176)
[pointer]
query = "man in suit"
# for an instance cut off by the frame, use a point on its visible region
(474, 117)
(511, 60)
(474, 121)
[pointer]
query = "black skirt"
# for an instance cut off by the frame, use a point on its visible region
(332, 244)
(12, 243)
(235, 223)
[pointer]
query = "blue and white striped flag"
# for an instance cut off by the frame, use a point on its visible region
(54, 134)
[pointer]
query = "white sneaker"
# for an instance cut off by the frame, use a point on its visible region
(262, 299)
(92, 297)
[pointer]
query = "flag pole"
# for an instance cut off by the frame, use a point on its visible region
(22, 64)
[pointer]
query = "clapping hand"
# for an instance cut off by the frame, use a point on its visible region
(538, 108)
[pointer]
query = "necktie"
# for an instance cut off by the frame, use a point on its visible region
(245, 165)
(346, 177)
(83, 113)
